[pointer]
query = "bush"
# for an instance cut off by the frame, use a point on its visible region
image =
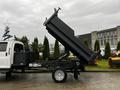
(96, 46)
(56, 50)
(46, 50)
(118, 46)
(107, 51)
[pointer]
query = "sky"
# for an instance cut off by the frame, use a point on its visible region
(26, 17)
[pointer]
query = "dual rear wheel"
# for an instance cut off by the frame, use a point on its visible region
(60, 75)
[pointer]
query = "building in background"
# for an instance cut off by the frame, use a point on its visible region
(86, 38)
(111, 35)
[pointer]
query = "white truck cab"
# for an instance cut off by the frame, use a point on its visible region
(12, 55)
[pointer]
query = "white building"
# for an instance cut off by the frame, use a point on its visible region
(111, 35)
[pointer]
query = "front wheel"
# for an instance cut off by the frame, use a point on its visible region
(59, 75)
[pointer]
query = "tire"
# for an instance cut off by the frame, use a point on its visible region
(59, 75)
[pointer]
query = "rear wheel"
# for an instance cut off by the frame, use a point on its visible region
(59, 75)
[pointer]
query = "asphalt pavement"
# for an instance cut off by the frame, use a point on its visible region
(43, 81)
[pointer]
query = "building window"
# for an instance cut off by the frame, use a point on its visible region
(99, 35)
(104, 41)
(115, 33)
(112, 43)
(115, 38)
(101, 42)
(108, 40)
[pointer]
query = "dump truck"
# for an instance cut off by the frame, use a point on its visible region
(13, 56)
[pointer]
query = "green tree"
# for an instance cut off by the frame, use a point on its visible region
(86, 43)
(6, 35)
(56, 49)
(40, 46)
(25, 41)
(46, 50)
(35, 48)
(107, 50)
(96, 46)
(17, 38)
(118, 46)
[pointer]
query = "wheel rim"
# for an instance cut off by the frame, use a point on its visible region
(59, 75)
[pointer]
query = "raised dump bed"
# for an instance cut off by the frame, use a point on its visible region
(63, 33)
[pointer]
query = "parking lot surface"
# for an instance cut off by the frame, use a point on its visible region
(43, 81)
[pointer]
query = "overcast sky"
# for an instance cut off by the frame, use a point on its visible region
(26, 17)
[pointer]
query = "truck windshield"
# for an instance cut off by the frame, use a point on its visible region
(3, 46)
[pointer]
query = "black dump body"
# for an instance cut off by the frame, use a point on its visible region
(64, 34)
(20, 58)
(23, 58)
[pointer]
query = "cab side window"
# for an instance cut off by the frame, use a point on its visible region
(3, 46)
(18, 48)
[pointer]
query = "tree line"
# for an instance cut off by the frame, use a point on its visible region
(35, 47)
(107, 51)
(44, 48)
(38, 48)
